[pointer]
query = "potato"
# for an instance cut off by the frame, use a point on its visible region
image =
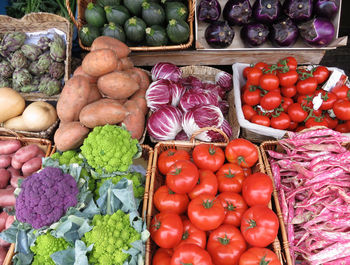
(5, 161)
(31, 166)
(135, 121)
(73, 98)
(100, 62)
(16, 123)
(102, 112)
(105, 42)
(3, 254)
(4, 178)
(94, 94)
(14, 172)
(79, 71)
(10, 219)
(142, 104)
(9, 146)
(135, 76)
(39, 116)
(145, 78)
(26, 152)
(3, 217)
(16, 164)
(126, 63)
(11, 104)
(70, 135)
(14, 181)
(117, 85)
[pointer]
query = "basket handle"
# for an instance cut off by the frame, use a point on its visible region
(192, 139)
(2, 129)
(70, 13)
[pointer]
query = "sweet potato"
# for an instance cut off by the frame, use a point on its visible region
(79, 71)
(117, 85)
(31, 166)
(4, 177)
(70, 135)
(7, 198)
(27, 152)
(5, 161)
(94, 94)
(126, 63)
(135, 76)
(145, 79)
(9, 146)
(73, 98)
(135, 121)
(105, 42)
(14, 181)
(102, 112)
(100, 62)
(142, 104)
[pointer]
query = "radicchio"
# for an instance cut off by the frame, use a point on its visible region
(202, 116)
(191, 82)
(165, 123)
(167, 71)
(182, 136)
(224, 80)
(176, 92)
(215, 89)
(217, 137)
(158, 94)
(224, 106)
(194, 97)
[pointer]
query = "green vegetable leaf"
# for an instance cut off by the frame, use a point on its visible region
(73, 256)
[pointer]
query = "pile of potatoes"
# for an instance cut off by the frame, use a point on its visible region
(105, 89)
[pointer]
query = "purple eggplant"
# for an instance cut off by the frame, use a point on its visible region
(219, 34)
(326, 8)
(237, 12)
(266, 11)
(317, 32)
(284, 33)
(254, 34)
(209, 10)
(298, 10)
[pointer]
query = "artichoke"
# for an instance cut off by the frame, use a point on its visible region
(36, 81)
(11, 42)
(56, 70)
(44, 43)
(4, 82)
(58, 49)
(31, 51)
(49, 86)
(6, 69)
(20, 78)
(41, 65)
(29, 88)
(18, 60)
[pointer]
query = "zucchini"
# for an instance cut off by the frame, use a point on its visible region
(153, 13)
(117, 14)
(88, 34)
(114, 31)
(135, 29)
(134, 6)
(176, 10)
(156, 36)
(103, 3)
(95, 15)
(178, 31)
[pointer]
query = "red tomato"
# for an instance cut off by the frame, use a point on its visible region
(247, 171)
(230, 177)
(234, 205)
(167, 158)
(261, 120)
(257, 256)
(166, 200)
(269, 82)
(225, 245)
(208, 156)
(305, 100)
(290, 61)
(342, 127)
(288, 79)
(260, 65)
(286, 102)
(281, 122)
(307, 86)
(166, 229)
(207, 183)
(321, 74)
(257, 189)
(329, 99)
(246, 71)
(348, 124)
(292, 126)
(162, 256)
(341, 109)
(190, 254)
(271, 100)
(289, 91)
(332, 122)
(206, 212)
(259, 226)
(297, 113)
(241, 152)
(182, 176)
(251, 96)
(313, 122)
(269, 69)
(192, 235)
(253, 76)
(342, 92)
(248, 112)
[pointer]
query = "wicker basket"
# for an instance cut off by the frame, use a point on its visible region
(80, 21)
(157, 179)
(40, 22)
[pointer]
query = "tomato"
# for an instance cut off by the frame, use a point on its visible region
(234, 205)
(342, 127)
(208, 156)
(230, 177)
(182, 176)
(332, 122)
(321, 74)
(241, 152)
(246, 71)
(348, 124)
(329, 99)
(269, 68)
(313, 122)
(286, 102)
(342, 92)
(297, 113)
(282, 121)
(166, 229)
(305, 100)
(257, 256)
(271, 100)
(259, 226)
(251, 96)
(225, 245)
(269, 82)
(292, 126)
(192, 235)
(207, 183)
(317, 113)
(288, 79)
(162, 256)
(206, 212)
(290, 61)
(167, 158)
(166, 200)
(307, 86)
(248, 112)
(247, 171)
(190, 254)
(261, 120)
(341, 109)
(257, 189)
(289, 91)
(253, 76)
(260, 65)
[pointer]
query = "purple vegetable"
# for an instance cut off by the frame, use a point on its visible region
(158, 94)
(181, 136)
(165, 123)
(224, 106)
(284, 33)
(209, 10)
(266, 11)
(167, 71)
(191, 82)
(254, 34)
(326, 8)
(219, 34)
(317, 32)
(176, 92)
(192, 98)
(237, 12)
(224, 80)
(216, 90)
(217, 137)
(298, 10)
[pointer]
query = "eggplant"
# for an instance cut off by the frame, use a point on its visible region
(326, 8)
(237, 12)
(254, 34)
(284, 33)
(317, 32)
(298, 10)
(209, 10)
(219, 34)
(266, 11)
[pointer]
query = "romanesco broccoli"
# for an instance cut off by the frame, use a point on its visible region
(110, 234)
(109, 148)
(44, 246)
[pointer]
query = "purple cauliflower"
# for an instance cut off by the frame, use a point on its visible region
(45, 197)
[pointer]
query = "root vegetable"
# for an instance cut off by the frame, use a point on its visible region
(5, 161)
(4, 177)
(105, 42)
(100, 62)
(135, 120)
(31, 166)
(70, 135)
(7, 198)
(9, 146)
(27, 152)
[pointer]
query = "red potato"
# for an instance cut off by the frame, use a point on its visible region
(10, 219)
(31, 166)
(3, 253)
(4, 177)
(16, 164)
(4, 243)
(7, 198)
(9, 146)
(26, 153)
(14, 181)
(14, 172)
(3, 218)
(5, 161)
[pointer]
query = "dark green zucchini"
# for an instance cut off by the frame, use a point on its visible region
(135, 29)
(95, 15)
(156, 36)
(178, 31)
(153, 13)
(88, 34)
(117, 14)
(114, 31)
(134, 6)
(103, 3)
(176, 10)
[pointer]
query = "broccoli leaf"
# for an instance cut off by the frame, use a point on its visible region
(72, 256)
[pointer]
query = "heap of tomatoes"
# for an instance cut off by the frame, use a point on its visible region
(212, 208)
(281, 96)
